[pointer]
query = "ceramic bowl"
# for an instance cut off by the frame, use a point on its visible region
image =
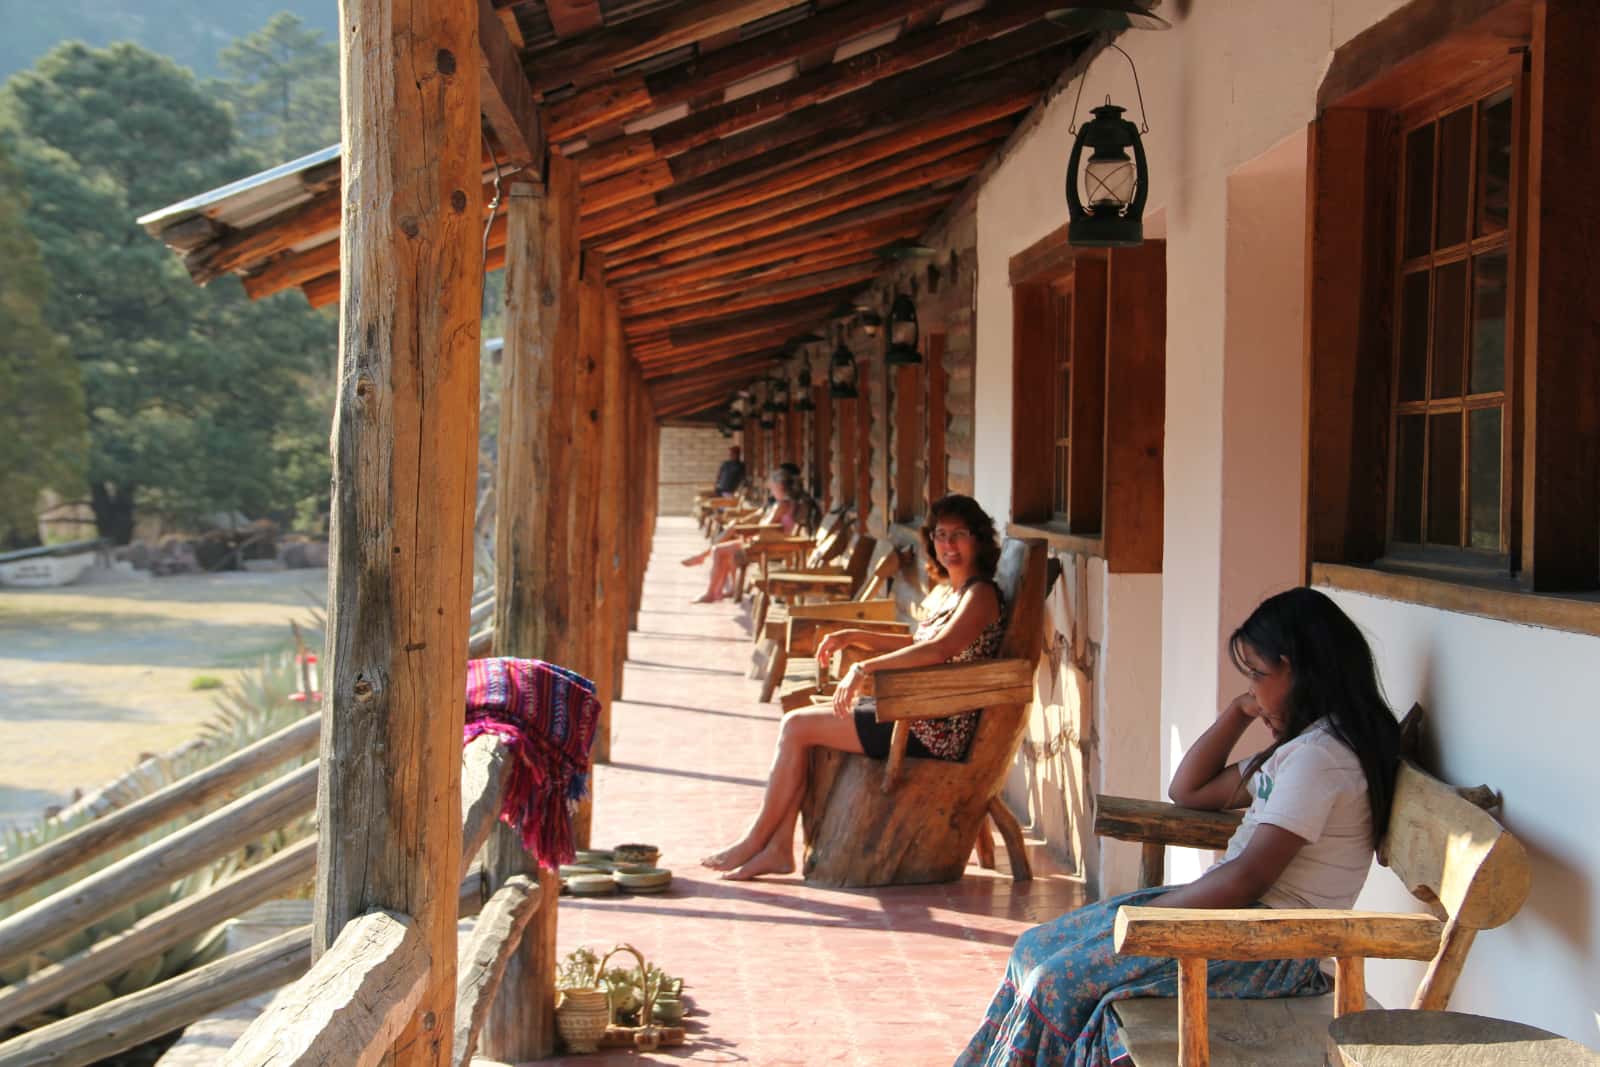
(581, 885)
(636, 854)
(640, 881)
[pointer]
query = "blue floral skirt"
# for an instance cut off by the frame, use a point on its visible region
(1053, 1008)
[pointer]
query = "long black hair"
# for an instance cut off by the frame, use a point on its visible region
(1335, 680)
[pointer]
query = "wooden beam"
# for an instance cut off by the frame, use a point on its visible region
(483, 959)
(572, 17)
(531, 583)
(597, 55)
(405, 453)
(761, 296)
(612, 623)
(935, 176)
(505, 95)
(351, 1006)
(133, 877)
(78, 846)
(790, 269)
(961, 48)
(709, 75)
(157, 932)
(238, 249)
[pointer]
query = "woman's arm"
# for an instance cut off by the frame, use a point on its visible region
(979, 609)
(1205, 778)
(1242, 880)
(872, 641)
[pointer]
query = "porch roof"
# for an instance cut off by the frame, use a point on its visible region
(743, 163)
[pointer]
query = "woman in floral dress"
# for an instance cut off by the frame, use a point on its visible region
(967, 623)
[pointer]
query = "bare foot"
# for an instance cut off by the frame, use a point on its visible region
(731, 857)
(693, 561)
(770, 860)
(705, 598)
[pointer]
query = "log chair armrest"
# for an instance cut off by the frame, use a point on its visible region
(1158, 823)
(881, 610)
(803, 635)
(952, 688)
(795, 583)
(1274, 933)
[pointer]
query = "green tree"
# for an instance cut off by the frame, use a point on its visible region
(282, 82)
(43, 436)
(197, 400)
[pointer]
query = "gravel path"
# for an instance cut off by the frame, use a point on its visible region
(93, 676)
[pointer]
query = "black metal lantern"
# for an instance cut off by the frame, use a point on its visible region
(768, 419)
(725, 428)
(740, 407)
(902, 333)
(777, 393)
(1115, 185)
(842, 374)
(802, 388)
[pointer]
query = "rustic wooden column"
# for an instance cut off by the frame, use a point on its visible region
(531, 599)
(405, 445)
(615, 501)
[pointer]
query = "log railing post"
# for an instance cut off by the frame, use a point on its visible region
(405, 446)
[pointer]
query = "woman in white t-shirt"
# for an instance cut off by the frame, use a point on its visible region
(1317, 802)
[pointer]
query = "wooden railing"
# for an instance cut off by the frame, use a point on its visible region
(382, 942)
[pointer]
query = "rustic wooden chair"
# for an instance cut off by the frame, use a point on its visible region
(910, 821)
(1448, 852)
(817, 548)
(824, 582)
(868, 600)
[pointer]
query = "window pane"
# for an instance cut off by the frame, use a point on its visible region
(1494, 163)
(1414, 336)
(1408, 479)
(1455, 171)
(1061, 480)
(1064, 402)
(1449, 328)
(1483, 477)
(1419, 191)
(1489, 323)
(1444, 479)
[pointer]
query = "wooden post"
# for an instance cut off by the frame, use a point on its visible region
(531, 599)
(615, 501)
(405, 448)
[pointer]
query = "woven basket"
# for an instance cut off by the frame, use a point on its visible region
(581, 1017)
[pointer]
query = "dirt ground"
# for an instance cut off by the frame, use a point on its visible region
(93, 676)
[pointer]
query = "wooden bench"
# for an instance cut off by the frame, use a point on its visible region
(905, 821)
(1447, 851)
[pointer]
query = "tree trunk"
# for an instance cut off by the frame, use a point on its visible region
(113, 511)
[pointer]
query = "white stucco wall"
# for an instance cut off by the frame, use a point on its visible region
(1516, 708)
(1229, 93)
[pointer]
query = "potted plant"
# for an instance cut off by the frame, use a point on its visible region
(583, 1008)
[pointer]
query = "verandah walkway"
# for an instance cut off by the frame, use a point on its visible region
(777, 972)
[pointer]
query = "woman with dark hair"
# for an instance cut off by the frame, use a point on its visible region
(786, 510)
(1318, 802)
(966, 623)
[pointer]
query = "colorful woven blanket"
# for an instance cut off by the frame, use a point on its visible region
(547, 716)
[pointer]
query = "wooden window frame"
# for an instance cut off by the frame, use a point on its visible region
(1114, 483)
(1422, 55)
(907, 430)
(847, 421)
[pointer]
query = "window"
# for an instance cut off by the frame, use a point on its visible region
(908, 442)
(1451, 480)
(1451, 371)
(1089, 399)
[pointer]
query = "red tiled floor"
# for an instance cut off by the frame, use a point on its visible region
(776, 972)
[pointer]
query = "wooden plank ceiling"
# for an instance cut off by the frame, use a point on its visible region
(742, 161)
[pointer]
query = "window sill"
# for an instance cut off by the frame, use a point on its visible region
(1574, 612)
(1059, 539)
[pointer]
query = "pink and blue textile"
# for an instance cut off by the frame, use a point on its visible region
(1053, 1008)
(547, 716)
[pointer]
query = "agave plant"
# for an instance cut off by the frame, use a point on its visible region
(257, 705)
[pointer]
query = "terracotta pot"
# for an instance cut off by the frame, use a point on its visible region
(581, 1018)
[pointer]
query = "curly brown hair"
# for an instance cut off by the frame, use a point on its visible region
(976, 520)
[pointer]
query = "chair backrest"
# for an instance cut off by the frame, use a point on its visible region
(1023, 580)
(887, 566)
(1454, 857)
(860, 560)
(832, 536)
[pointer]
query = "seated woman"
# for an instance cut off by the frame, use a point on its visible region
(1318, 799)
(962, 551)
(785, 511)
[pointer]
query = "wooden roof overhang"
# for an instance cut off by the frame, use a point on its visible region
(742, 162)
